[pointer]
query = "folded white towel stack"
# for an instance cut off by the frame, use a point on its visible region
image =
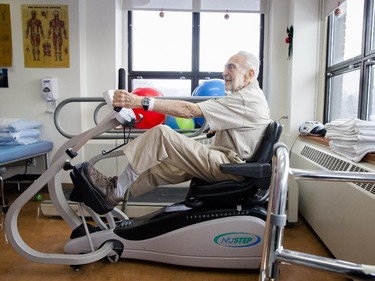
(352, 138)
(16, 131)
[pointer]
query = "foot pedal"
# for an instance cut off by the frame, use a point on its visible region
(84, 192)
(80, 231)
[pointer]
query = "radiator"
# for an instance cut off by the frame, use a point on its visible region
(342, 214)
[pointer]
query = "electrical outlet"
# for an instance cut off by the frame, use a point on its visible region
(30, 162)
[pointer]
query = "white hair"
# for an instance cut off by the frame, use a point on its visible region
(252, 62)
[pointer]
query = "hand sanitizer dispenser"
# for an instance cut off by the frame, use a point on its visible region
(50, 92)
(50, 88)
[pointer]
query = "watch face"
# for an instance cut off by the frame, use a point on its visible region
(145, 101)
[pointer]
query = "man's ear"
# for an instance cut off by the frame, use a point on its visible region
(250, 74)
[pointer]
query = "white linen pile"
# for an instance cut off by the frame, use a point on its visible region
(17, 131)
(352, 138)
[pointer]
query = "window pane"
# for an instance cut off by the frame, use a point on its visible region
(346, 41)
(371, 114)
(372, 32)
(221, 38)
(169, 87)
(162, 43)
(344, 96)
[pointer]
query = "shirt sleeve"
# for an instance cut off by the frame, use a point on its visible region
(244, 109)
(223, 113)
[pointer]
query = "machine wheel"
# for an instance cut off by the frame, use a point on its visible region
(116, 252)
(113, 256)
(75, 268)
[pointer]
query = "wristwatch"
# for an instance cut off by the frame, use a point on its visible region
(145, 103)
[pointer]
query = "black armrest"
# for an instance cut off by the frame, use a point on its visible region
(250, 170)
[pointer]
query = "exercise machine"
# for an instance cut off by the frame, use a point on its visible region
(218, 225)
(235, 233)
(274, 255)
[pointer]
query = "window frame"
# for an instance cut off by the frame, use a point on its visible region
(194, 75)
(361, 62)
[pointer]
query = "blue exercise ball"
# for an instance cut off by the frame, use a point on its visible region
(213, 87)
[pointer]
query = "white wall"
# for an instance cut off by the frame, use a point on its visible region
(304, 72)
(23, 97)
(94, 58)
(292, 85)
(97, 41)
(277, 67)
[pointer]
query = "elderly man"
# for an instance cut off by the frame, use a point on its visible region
(162, 156)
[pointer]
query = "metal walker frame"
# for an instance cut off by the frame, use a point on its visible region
(274, 253)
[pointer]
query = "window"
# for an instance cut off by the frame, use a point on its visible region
(372, 29)
(161, 44)
(344, 92)
(176, 52)
(347, 32)
(371, 103)
(350, 62)
(220, 38)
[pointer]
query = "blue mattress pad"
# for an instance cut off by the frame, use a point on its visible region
(13, 153)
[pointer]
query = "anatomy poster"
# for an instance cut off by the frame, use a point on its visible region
(5, 36)
(45, 35)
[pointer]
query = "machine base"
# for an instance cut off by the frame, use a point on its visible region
(222, 238)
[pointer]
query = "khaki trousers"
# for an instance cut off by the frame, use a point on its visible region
(162, 156)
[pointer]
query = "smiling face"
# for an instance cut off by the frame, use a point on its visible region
(236, 74)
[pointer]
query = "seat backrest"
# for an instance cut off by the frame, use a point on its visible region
(264, 152)
(229, 192)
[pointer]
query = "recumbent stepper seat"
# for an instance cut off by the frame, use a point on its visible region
(256, 170)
